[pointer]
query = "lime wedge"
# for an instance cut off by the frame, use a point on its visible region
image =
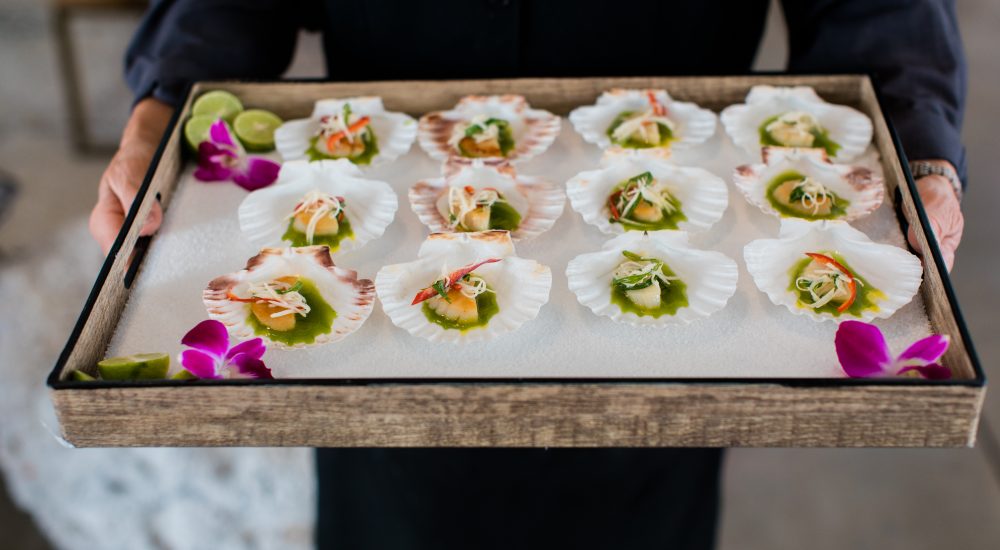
(142, 366)
(196, 130)
(184, 375)
(80, 376)
(255, 128)
(217, 104)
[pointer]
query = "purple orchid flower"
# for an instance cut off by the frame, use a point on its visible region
(212, 358)
(863, 353)
(222, 158)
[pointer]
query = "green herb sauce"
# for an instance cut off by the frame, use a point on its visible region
(318, 321)
(867, 295)
(669, 220)
(672, 298)
(838, 210)
(486, 304)
(298, 238)
(666, 135)
(365, 158)
(822, 138)
(504, 216)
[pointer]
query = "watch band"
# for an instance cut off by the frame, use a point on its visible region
(921, 168)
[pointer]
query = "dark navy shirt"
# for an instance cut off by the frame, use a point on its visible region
(913, 47)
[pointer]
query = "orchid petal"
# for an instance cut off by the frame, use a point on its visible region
(250, 367)
(260, 172)
(199, 363)
(933, 371)
(925, 351)
(211, 163)
(220, 134)
(862, 350)
(254, 348)
(208, 336)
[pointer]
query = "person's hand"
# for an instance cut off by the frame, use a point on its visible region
(944, 213)
(124, 175)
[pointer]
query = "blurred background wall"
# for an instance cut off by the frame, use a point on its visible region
(251, 498)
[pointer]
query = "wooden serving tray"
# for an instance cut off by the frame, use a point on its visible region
(602, 411)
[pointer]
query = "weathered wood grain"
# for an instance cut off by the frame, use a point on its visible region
(498, 413)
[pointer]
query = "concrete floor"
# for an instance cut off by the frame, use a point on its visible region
(820, 499)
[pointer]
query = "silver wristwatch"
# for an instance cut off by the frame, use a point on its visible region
(921, 168)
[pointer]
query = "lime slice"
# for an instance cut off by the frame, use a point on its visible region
(184, 375)
(217, 104)
(142, 366)
(196, 130)
(80, 376)
(255, 128)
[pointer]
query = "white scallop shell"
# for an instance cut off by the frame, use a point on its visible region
(522, 285)
(694, 125)
(848, 127)
(539, 202)
(857, 184)
(395, 132)
(710, 276)
(534, 130)
(370, 204)
(350, 297)
(703, 195)
(890, 269)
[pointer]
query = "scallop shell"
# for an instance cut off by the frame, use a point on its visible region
(350, 297)
(703, 195)
(522, 286)
(857, 184)
(370, 204)
(892, 270)
(539, 202)
(395, 131)
(534, 130)
(694, 125)
(710, 276)
(848, 127)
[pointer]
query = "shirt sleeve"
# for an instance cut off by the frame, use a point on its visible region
(181, 41)
(913, 48)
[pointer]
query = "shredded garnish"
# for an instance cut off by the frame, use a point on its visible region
(278, 294)
(639, 272)
(341, 126)
(830, 278)
(641, 187)
(794, 128)
(811, 194)
(462, 200)
(461, 279)
(321, 205)
(644, 125)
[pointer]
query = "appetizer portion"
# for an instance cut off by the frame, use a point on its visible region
(826, 284)
(802, 183)
(344, 135)
(481, 197)
(647, 193)
(642, 129)
(497, 127)
(482, 136)
(796, 129)
(357, 129)
(828, 270)
(643, 119)
(460, 299)
(318, 203)
(652, 279)
(291, 297)
(645, 203)
(646, 286)
(796, 117)
(495, 292)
